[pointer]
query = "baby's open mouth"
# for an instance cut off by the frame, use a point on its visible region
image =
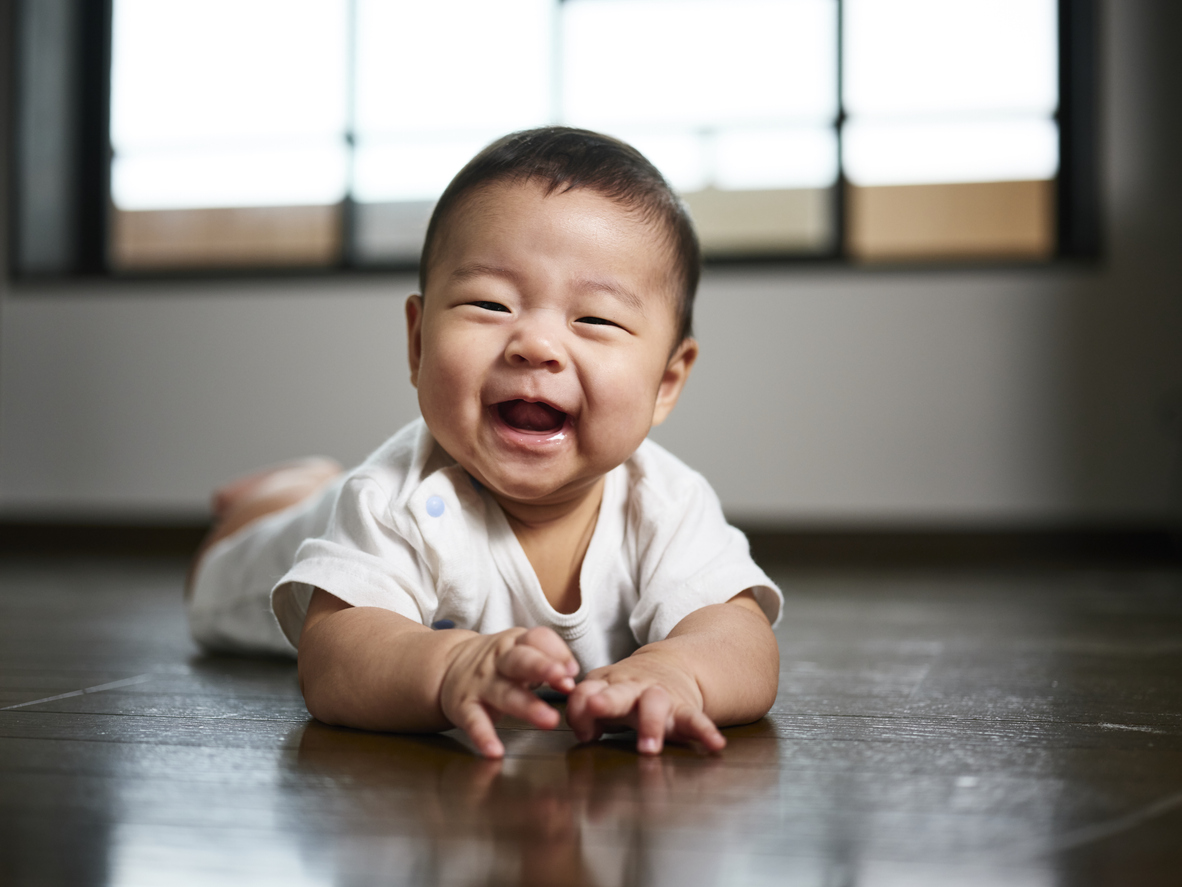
(523, 415)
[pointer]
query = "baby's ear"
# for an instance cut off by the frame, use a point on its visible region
(673, 381)
(414, 336)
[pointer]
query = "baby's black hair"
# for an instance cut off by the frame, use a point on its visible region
(562, 158)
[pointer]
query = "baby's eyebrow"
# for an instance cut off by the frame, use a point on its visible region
(613, 289)
(479, 269)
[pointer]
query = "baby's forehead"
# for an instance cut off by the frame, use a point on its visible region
(493, 195)
(495, 206)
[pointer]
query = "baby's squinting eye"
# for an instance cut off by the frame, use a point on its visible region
(490, 306)
(596, 320)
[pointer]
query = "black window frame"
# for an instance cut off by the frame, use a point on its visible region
(86, 60)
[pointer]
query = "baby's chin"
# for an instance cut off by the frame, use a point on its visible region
(535, 491)
(527, 487)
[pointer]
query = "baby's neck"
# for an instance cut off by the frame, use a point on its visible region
(555, 537)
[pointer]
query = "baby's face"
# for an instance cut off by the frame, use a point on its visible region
(541, 350)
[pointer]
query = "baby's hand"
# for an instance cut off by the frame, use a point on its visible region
(491, 675)
(652, 696)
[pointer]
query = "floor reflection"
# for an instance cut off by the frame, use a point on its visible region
(976, 731)
(425, 810)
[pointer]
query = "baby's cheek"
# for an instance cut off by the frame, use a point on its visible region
(624, 422)
(443, 404)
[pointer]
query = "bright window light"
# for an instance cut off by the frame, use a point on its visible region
(201, 82)
(950, 57)
(451, 65)
(944, 91)
(741, 159)
(411, 168)
(932, 153)
(698, 63)
(304, 174)
(782, 158)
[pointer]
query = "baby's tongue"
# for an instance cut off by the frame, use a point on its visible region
(531, 416)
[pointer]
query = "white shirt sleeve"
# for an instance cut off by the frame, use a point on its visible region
(360, 559)
(688, 556)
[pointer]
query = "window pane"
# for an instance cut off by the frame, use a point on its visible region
(450, 65)
(412, 168)
(199, 88)
(951, 222)
(306, 173)
(226, 237)
(977, 151)
(698, 63)
(753, 222)
(436, 82)
(778, 158)
(950, 143)
(936, 57)
(733, 100)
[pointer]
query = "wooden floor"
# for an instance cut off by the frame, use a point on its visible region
(933, 728)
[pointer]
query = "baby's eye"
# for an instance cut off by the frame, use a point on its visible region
(596, 320)
(490, 306)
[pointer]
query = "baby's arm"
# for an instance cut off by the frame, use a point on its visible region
(719, 665)
(371, 668)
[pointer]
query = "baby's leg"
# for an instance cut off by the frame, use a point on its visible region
(264, 492)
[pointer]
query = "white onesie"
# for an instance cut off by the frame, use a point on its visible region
(410, 531)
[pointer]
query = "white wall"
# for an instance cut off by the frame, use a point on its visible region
(823, 396)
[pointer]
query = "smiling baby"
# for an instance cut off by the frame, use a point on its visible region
(523, 532)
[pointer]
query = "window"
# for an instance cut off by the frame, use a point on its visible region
(318, 133)
(951, 146)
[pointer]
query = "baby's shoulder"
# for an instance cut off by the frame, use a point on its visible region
(660, 484)
(396, 468)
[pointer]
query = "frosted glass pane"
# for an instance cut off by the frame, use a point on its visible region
(700, 63)
(453, 65)
(790, 158)
(920, 57)
(185, 73)
(410, 169)
(930, 153)
(227, 177)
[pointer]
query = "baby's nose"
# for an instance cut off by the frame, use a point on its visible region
(535, 344)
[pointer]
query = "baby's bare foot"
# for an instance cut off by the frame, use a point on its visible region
(248, 498)
(310, 473)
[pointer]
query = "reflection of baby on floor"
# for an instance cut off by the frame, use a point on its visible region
(600, 814)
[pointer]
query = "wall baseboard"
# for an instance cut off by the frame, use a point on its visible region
(1062, 546)
(115, 538)
(1092, 546)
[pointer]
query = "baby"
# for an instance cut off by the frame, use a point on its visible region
(523, 532)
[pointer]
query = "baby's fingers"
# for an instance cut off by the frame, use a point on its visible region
(690, 725)
(524, 664)
(554, 648)
(519, 702)
(596, 706)
(615, 703)
(474, 720)
(578, 716)
(652, 720)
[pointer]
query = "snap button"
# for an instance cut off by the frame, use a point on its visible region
(435, 506)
